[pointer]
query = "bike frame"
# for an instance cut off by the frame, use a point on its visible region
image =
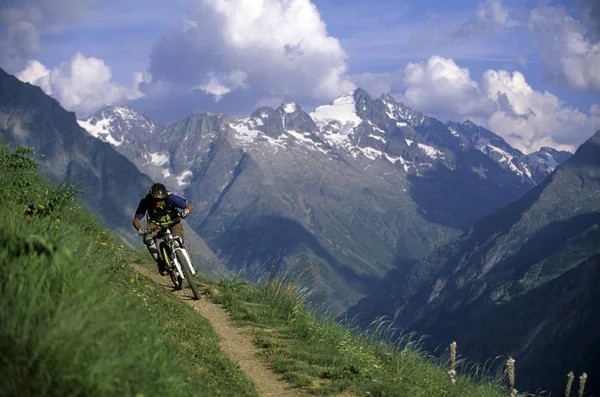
(173, 243)
(174, 246)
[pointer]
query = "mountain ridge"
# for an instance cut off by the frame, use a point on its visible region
(537, 249)
(112, 184)
(372, 182)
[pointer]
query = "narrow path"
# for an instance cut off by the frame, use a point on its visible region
(236, 342)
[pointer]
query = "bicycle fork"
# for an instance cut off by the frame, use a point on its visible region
(187, 257)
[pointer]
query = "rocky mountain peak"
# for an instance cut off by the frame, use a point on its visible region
(120, 124)
(267, 120)
(289, 107)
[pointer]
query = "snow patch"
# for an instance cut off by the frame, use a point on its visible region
(401, 124)
(408, 141)
(244, 133)
(379, 138)
(429, 150)
(101, 130)
(246, 136)
(166, 173)
(393, 160)
(343, 109)
(306, 141)
(181, 179)
(158, 159)
(290, 107)
(370, 153)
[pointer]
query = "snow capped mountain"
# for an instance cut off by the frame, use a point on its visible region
(120, 124)
(547, 159)
(352, 125)
(137, 137)
(354, 184)
(531, 168)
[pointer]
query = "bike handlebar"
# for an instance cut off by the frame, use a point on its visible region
(162, 227)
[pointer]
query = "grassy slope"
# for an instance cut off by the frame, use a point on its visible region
(324, 358)
(74, 318)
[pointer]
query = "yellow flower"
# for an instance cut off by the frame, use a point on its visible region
(104, 244)
(40, 206)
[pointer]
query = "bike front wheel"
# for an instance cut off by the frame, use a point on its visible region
(173, 273)
(185, 267)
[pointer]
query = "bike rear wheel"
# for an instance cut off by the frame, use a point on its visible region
(176, 278)
(185, 267)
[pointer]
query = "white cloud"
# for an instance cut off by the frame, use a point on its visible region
(440, 86)
(491, 17)
(502, 101)
(82, 85)
(566, 50)
(529, 119)
(219, 86)
(266, 47)
(23, 21)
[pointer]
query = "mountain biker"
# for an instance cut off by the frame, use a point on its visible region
(162, 207)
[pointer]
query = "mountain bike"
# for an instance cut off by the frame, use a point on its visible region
(176, 258)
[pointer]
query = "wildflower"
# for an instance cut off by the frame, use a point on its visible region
(452, 371)
(511, 376)
(40, 206)
(104, 244)
(582, 380)
(570, 377)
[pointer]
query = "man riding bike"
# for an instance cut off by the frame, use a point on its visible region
(162, 207)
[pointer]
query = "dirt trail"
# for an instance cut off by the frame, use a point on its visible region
(236, 342)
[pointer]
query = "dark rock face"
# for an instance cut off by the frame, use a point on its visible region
(112, 184)
(372, 182)
(520, 282)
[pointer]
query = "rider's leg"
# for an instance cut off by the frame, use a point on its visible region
(177, 231)
(152, 245)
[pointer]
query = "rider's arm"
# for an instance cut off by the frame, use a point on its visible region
(137, 224)
(180, 202)
(139, 215)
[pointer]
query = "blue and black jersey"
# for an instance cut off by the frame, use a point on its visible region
(160, 212)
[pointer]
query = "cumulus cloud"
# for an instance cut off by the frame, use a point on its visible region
(265, 47)
(491, 17)
(440, 86)
(502, 101)
(530, 119)
(567, 49)
(23, 21)
(219, 86)
(83, 84)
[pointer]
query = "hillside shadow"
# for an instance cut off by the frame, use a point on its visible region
(269, 238)
(458, 198)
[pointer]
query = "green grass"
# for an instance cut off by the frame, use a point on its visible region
(76, 320)
(324, 358)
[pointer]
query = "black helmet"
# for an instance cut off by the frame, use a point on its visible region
(158, 191)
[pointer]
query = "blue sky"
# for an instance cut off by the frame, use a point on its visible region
(223, 61)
